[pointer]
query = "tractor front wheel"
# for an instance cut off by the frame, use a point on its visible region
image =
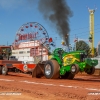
(51, 69)
(74, 69)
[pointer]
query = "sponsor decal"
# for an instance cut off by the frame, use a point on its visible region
(25, 67)
(69, 59)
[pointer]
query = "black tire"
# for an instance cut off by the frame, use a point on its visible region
(68, 75)
(74, 69)
(65, 76)
(91, 71)
(0, 70)
(1, 57)
(54, 67)
(4, 70)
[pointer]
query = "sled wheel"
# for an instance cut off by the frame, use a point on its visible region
(0, 70)
(91, 71)
(4, 70)
(51, 69)
(74, 69)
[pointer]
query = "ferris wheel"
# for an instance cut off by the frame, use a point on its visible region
(32, 31)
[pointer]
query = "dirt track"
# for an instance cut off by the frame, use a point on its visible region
(81, 88)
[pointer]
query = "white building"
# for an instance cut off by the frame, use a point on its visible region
(30, 52)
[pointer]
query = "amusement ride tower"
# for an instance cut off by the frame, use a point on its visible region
(91, 37)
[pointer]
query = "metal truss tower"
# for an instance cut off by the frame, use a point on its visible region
(91, 37)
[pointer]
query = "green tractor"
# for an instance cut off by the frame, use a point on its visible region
(65, 65)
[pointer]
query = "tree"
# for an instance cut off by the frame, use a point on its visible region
(82, 45)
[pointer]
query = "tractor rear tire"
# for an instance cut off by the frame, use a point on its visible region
(0, 70)
(91, 71)
(4, 70)
(52, 69)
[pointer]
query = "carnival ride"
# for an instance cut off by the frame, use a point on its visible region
(30, 32)
(32, 36)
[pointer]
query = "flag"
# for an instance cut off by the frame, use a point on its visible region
(50, 40)
(76, 40)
